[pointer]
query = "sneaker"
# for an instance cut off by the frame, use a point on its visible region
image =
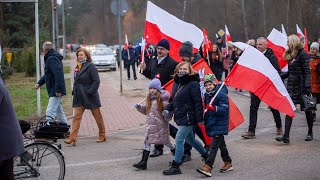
(249, 135)
(279, 131)
(205, 170)
(227, 167)
(186, 158)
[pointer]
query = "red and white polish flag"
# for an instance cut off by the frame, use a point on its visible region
(277, 41)
(228, 36)
(126, 45)
(299, 32)
(283, 31)
(162, 25)
(254, 72)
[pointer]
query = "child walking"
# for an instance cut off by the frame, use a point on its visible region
(157, 127)
(216, 124)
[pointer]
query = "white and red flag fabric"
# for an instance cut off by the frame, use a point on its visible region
(162, 25)
(207, 44)
(299, 32)
(126, 44)
(254, 72)
(283, 31)
(228, 36)
(235, 116)
(277, 41)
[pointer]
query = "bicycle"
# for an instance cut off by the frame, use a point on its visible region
(42, 158)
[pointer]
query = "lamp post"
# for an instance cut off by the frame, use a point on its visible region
(36, 15)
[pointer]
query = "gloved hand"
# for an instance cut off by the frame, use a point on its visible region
(166, 114)
(138, 106)
(210, 107)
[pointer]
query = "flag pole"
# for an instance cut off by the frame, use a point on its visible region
(208, 57)
(212, 99)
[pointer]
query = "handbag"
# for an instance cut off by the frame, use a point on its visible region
(309, 102)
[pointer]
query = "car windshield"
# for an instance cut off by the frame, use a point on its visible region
(100, 52)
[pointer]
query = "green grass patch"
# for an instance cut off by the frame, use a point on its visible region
(67, 57)
(66, 69)
(24, 97)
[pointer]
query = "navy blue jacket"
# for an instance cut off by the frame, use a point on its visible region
(11, 142)
(134, 56)
(186, 103)
(217, 121)
(53, 74)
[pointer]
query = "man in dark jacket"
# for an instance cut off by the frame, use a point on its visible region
(54, 80)
(11, 141)
(130, 60)
(162, 67)
(255, 101)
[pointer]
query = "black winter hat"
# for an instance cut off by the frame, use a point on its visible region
(164, 43)
(186, 49)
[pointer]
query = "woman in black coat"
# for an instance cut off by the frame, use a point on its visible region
(298, 81)
(85, 95)
(186, 105)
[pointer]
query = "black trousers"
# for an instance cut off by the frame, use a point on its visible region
(187, 147)
(6, 169)
(218, 142)
(254, 107)
(288, 123)
(133, 69)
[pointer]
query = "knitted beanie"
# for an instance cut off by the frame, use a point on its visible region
(315, 45)
(164, 43)
(209, 78)
(155, 83)
(186, 49)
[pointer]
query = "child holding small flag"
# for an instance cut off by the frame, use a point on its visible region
(157, 127)
(216, 124)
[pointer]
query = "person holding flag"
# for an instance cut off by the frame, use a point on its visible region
(255, 100)
(216, 124)
(298, 67)
(130, 57)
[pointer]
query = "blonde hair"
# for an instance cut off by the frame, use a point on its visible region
(192, 72)
(293, 42)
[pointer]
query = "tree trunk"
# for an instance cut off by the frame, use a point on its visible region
(264, 19)
(244, 21)
(288, 11)
(184, 9)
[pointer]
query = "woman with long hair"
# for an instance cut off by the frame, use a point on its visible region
(216, 64)
(186, 105)
(298, 81)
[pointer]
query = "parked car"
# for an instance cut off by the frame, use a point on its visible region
(104, 59)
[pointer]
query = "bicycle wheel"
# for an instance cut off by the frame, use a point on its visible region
(44, 161)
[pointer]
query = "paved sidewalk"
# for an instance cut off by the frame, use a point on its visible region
(116, 109)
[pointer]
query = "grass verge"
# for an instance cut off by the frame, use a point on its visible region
(24, 97)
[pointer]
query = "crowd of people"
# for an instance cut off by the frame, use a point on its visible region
(189, 106)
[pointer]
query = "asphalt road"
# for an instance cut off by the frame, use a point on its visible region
(260, 158)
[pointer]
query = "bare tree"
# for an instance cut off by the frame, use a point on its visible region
(288, 10)
(184, 8)
(244, 21)
(264, 18)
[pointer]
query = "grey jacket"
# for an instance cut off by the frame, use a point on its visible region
(11, 142)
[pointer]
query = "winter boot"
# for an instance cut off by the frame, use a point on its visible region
(227, 167)
(205, 170)
(143, 163)
(173, 170)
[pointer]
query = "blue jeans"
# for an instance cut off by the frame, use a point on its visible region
(186, 133)
(55, 110)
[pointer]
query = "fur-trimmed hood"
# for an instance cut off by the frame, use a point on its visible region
(165, 95)
(316, 56)
(289, 55)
